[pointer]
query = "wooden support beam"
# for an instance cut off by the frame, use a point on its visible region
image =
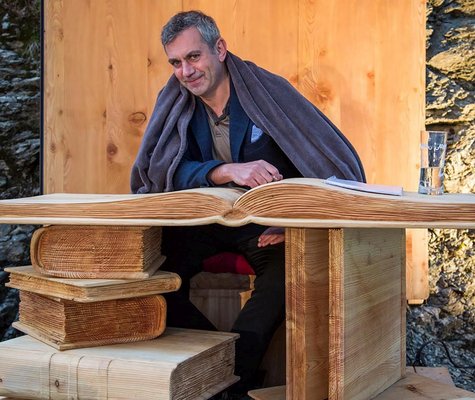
(367, 312)
(417, 264)
(307, 313)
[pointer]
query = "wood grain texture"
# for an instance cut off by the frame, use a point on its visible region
(299, 202)
(265, 32)
(126, 101)
(90, 290)
(96, 251)
(220, 306)
(367, 312)
(412, 387)
(223, 280)
(438, 374)
(368, 75)
(66, 324)
(417, 264)
(103, 69)
(307, 313)
(269, 393)
(54, 125)
(74, 100)
(312, 198)
(143, 370)
(417, 387)
(159, 70)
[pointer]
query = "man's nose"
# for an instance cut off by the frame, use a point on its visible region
(188, 69)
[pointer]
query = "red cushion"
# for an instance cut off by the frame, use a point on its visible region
(228, 262)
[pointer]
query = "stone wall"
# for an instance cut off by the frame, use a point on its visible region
(19, 135)
(449, 314)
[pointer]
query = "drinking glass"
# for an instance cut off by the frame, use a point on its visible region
(433, 148)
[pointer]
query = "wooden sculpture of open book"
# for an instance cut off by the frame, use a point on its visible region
(290, 202)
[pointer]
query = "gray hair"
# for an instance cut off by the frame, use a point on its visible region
(179, 22)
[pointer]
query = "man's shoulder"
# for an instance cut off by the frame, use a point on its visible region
(257, 70)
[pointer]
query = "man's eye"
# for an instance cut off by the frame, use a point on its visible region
(175, 63)
(194, 57)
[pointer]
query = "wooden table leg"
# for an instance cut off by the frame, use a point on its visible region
(367, 312)
(345, 312)
(307, 313)
(417, 265)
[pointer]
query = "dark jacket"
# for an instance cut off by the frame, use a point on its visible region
(248, 143)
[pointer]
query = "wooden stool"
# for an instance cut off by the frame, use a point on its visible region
(220, 297)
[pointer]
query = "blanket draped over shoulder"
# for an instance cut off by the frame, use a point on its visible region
(314, 145)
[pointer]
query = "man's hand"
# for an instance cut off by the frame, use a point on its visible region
(271, 235)
(250, 174)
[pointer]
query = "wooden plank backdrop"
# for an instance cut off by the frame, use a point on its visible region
(361, 61)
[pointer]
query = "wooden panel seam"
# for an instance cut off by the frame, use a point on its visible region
(336, 317)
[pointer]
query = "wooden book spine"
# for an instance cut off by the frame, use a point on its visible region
(62, 375)
(182, 364)
(65, 324)
(96, 252)
(91, 290)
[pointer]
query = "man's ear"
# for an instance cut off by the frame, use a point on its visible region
(221, 49)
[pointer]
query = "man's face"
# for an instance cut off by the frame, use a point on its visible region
(196, 66)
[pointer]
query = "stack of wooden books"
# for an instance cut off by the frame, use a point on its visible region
(91, 291)
(72, 296)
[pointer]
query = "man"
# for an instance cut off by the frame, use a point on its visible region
(222, 121)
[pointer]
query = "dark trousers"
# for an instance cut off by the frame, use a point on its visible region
(187, 247)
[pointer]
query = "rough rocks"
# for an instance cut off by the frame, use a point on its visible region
(444, 327)
(19, 137)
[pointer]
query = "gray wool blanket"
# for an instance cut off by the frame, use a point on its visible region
(315, 146)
